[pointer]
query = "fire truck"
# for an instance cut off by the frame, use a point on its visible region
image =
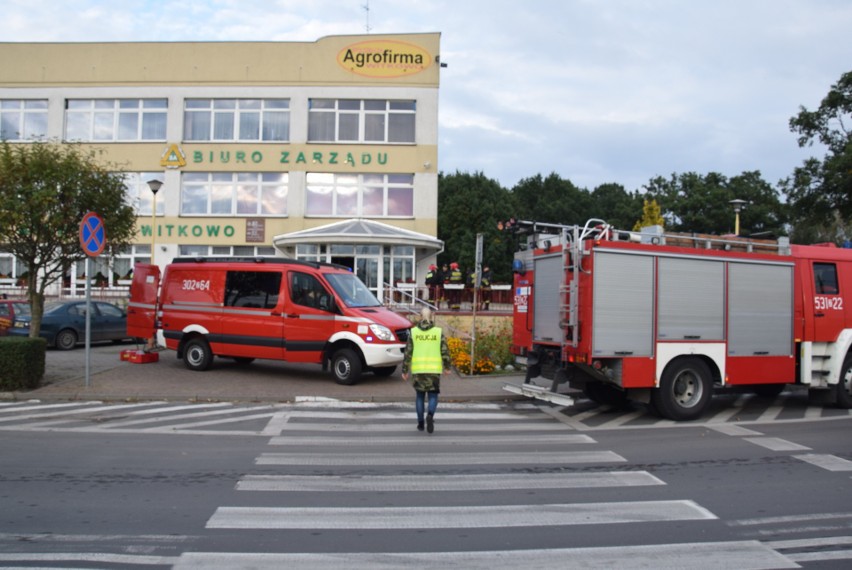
(667, 319)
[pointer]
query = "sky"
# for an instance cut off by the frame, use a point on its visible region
(596, 91)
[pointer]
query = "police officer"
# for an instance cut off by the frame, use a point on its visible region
(426, 358)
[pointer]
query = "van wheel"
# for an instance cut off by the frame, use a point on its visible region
(685, 390)
(66, 339)
(346, 367)
(197, 355)
(844, 385)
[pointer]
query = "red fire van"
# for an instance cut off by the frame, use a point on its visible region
(267, 308)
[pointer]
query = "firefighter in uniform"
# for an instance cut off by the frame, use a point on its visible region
(485, 287)
(426, 358)
(433, 281)
(456, 277)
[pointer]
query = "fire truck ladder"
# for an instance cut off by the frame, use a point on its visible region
(571, 241)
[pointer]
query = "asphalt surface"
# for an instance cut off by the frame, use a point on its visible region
(112, 379)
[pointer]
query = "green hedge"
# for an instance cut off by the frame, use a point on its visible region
(21, 363)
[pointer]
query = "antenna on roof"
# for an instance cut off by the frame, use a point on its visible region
(366, 8)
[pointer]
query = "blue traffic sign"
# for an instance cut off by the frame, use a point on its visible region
(92, 234)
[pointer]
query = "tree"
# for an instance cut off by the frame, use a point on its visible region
(46, 188)
(820, 191)
(553, 200)
(693, 202)
(469, 204)
(651, 216)
(613, 204)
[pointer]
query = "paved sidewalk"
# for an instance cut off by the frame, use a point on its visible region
(112, 379)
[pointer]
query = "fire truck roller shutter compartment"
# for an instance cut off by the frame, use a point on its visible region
(760, 309)
(692, 299)
(623, 305)
(546, 326)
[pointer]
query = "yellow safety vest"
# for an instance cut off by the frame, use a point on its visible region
(426, 351)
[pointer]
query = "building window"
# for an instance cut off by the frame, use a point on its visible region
(226, 251)
(109, 272)
(139, 194)
(361, 121)
(234, 193)
(115, 119)
(355, 195)
(23, 119)
(10, 268)
(236, 120)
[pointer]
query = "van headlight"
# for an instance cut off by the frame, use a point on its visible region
(382, 332)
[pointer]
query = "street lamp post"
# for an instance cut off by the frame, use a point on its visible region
(738, 207)
(155, 186)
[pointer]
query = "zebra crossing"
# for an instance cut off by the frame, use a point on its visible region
(455, 498)
(215, 418)
(369, 452)
(737, 407)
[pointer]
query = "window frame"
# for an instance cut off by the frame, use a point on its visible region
(351, 121)
(356, 189)
(215, 189)
(241, 110)
(26, 111)
(106, 115)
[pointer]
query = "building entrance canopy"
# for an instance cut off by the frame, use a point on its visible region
(380, 254)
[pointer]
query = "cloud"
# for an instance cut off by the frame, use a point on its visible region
(617, 91)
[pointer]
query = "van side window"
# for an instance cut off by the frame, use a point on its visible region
(305, 289)
(825, 279)
(252, 289)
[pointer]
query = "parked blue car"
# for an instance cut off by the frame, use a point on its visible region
(64, 323)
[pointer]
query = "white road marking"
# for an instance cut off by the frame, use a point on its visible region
(829, 462)
(475, 458)
(743, 555)
(496, 516)
(415, 483)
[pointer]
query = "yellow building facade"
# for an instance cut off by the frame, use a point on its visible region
(322, 151)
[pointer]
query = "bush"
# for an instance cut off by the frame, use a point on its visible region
(21, 363)
(493, 348)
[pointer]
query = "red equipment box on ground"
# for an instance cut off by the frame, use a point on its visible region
(139, 356)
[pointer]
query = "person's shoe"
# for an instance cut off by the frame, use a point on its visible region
(419, 426)
(430, 423)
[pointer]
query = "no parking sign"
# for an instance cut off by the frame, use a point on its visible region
(92, 234)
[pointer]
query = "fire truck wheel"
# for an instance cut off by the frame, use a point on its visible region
(197, 354)
(66, 339)
(685, 390)
(844, 386)
(346, 367)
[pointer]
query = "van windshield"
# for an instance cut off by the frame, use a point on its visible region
(351, 290)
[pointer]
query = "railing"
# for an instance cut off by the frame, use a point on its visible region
(412, 297)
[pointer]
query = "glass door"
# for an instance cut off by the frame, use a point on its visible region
(367, 269)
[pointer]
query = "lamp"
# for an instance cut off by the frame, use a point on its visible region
(738, 206)
(155, 186)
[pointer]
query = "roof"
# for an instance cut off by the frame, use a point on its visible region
(359, 231)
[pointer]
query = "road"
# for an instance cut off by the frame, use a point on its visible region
(219, 485)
